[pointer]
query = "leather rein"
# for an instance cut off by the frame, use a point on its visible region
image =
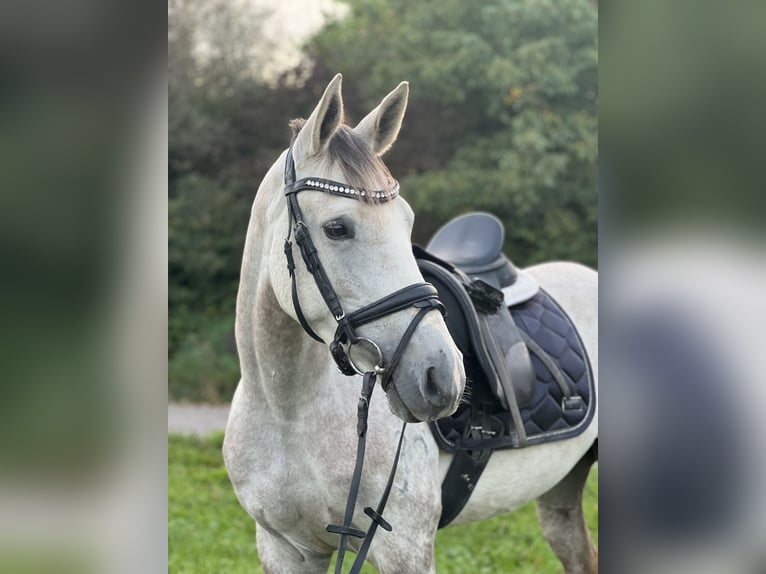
(422, 296)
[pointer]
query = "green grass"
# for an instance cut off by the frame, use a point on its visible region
(208, 532)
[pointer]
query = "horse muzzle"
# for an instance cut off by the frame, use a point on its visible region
(428, 388)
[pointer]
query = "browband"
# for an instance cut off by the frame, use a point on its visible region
(333, 187)
(419, 295)
(343, 189)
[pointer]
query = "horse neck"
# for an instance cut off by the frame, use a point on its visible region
(283, 369)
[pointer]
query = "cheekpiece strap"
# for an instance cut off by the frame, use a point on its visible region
(289, 168)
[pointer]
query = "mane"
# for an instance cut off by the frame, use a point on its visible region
(361, 168)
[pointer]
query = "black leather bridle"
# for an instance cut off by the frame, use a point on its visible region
(422, 296)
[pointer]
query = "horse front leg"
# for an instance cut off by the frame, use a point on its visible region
(279, 556)
(403, 551)
(397, 562)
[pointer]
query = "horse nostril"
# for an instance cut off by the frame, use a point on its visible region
(433, 392)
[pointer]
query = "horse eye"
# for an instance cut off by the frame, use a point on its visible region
(337, 229)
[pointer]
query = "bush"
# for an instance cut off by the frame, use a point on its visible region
(205, 368)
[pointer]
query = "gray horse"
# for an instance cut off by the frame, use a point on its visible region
(290, 439)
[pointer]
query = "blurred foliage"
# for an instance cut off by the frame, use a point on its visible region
(684, 130)
(502, 113)
(205, 366)
(502, 118)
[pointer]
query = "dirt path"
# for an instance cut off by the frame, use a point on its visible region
(198, 419)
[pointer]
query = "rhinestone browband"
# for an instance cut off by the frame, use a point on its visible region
(345, 190)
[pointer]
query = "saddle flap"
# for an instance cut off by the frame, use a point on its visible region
(502, 334)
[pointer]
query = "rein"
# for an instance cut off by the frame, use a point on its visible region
(422, 296)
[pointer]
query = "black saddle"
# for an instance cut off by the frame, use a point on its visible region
(464, 260)
(513, 397)
(474, 243)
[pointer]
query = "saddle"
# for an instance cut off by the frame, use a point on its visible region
(517, 393)
(476, 282)
(473, 243)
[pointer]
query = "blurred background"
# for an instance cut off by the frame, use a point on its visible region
(503, 98)
(682, 279)
(501, 118)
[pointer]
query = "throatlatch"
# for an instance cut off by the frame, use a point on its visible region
(422, 296)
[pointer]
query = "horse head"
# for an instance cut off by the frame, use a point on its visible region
(359, 234)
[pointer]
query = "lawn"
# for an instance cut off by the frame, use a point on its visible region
(208, 532)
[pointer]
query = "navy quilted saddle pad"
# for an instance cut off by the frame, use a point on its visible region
(543, 415)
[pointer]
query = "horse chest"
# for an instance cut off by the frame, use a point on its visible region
(291, 489)
(286, 507)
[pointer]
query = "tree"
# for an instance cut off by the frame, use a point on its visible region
(502, 111)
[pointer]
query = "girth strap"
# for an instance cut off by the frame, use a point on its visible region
(466, 468)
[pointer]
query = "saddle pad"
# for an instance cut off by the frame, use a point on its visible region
(547, 324)
(543, 417)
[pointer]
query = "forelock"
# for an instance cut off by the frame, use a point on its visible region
(361, 167)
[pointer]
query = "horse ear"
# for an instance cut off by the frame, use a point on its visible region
(323, 122)
(381, 126)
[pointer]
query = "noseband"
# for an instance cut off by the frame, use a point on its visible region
(421, 296)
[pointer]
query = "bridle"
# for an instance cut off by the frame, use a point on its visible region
(421, 296)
